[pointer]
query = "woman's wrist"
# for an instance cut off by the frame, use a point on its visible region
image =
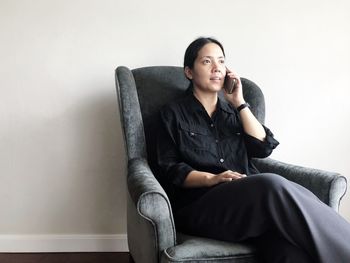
(210, 180)
(243, 106)
(238, 103)
(199, 179)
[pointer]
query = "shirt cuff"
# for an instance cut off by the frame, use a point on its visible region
(258, 148)
(179, 173)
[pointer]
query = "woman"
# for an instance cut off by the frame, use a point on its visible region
(204, 149)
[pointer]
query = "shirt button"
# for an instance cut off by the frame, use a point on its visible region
(216, 141)
(222, 160)
(212, 125)
(192, 133)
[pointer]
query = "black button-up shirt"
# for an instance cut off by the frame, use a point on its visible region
(189, 139)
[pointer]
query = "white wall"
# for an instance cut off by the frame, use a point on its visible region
(62, 164)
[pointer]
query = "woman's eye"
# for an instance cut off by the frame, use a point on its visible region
(222, 61)
(207, 61)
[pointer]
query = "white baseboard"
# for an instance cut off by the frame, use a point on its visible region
(63, 243)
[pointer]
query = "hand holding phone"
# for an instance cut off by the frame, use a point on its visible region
(230, 84)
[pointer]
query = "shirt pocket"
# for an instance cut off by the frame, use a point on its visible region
(194, 137)
(230, 133)
(232, 140)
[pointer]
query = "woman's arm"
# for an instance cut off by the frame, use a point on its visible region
(259, 140)
(250, 124)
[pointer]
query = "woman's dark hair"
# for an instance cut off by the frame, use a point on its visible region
(193, 49)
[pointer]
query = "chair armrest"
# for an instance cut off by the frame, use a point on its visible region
(329, 187)
(152, 204)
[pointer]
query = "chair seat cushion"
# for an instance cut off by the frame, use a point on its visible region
(197, 249)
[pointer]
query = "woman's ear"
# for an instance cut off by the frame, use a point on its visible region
(188, 72)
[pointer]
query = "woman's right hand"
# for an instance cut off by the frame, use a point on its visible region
(226, 176)
(204, 179)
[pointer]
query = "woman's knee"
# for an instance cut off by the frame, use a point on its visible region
(270, 181)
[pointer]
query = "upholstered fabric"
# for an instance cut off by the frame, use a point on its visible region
(254, 96)
(152, 204)
(329, 187)
(130, 114)
(196, 249)
(150, 225)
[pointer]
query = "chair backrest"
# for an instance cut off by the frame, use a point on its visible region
(143, 91)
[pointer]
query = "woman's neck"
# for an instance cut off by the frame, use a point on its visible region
(207, 99)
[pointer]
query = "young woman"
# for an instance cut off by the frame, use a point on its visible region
(204, 149)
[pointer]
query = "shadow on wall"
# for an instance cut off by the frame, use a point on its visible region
(65, 169)
(98, 164)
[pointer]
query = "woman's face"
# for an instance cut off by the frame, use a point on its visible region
(209, 70)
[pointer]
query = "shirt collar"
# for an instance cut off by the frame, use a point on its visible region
(196, 106)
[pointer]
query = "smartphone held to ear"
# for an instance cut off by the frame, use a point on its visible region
(230, 84)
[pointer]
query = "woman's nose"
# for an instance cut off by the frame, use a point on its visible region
(216, 68)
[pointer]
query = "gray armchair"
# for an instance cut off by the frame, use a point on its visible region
(152, 236)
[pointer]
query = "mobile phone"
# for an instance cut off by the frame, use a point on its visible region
(229, 84)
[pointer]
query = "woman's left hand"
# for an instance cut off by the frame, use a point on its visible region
(236, 97)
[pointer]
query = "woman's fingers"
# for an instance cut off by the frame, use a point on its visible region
(231, 175)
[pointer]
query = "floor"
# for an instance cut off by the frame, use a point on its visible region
(120, 257)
